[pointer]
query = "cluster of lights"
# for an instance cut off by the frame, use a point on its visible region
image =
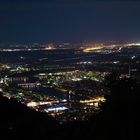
(56, 109)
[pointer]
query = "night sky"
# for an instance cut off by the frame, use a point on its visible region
(69, 20)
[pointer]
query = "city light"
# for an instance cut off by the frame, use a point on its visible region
(70, 88)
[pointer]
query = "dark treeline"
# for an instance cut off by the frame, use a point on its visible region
(118, 118)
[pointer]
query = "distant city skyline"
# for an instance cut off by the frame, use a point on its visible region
(69, 20)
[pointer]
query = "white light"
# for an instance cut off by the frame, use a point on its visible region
(133, 57)
(57, 108)
(116, 62)
(32, 104)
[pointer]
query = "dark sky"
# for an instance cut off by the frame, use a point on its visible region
(69, 20)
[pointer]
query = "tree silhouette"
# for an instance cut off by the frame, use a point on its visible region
(117, 119)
